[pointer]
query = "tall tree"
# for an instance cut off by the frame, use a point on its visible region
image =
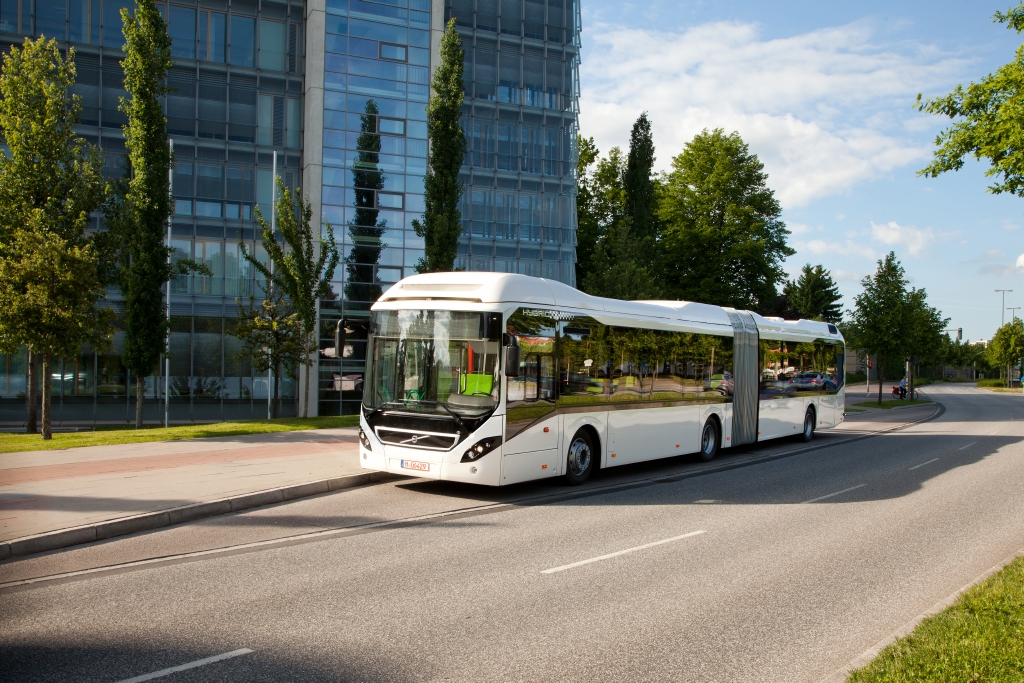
(442, 220)
(50, 290)
(1007, 347)
(618, 270)
(639, 186)
(723, 239)
(814, 295)
(880, 324)
(137, 211)
(588, 225)
(303, 271)
(988, 120)
(271, 335)
(365, 230)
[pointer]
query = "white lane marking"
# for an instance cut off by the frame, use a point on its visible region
(184, 667)
(923, 464)
(815, 500)
(962, 448)
(621, 552)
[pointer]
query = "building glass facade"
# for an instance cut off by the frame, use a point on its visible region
(348, 125)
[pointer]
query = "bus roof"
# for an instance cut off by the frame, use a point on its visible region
(491, 288)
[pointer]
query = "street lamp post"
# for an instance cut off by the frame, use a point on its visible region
(1002, 318)
(1013, 313)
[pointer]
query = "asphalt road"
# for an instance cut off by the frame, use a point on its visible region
(780, 562)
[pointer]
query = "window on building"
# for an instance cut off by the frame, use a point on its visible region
(295, 48)
(243, 41)
(51, 16)
(16, 16)
(273, 48)
(112, 25)
(212, 36)
(393, 52)
(85, 21)
(181, 27)
(294, 123)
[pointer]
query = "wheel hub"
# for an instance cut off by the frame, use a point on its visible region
(579, 456)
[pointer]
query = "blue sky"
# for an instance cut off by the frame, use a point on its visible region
(823, 93)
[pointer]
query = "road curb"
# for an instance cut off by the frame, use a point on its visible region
(64, 538)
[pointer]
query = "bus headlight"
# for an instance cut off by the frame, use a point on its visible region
(481, 448)
(364, 440)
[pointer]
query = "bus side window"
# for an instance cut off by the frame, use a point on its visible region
(548, 389)
(528, 369)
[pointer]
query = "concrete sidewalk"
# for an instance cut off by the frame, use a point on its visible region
(42, 492)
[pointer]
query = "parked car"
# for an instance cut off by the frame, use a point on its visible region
(721, 383)
(809, 381)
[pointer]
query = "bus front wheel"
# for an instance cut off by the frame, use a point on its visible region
(580, 459)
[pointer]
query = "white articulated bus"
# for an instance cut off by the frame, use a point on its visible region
(493, 378)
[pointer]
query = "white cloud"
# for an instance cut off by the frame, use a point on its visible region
(893, 234)
(1020, 262)
(823, 110)
(824, 248)
(851, 276)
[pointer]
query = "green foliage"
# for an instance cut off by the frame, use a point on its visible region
(893, 322)
(615, 262)
(442, 224)
(617, 272)
(366, 231)
(138, 207)
(988, 116)
(814, 295)
(992, 382)
(50, 285)
(1007, 346)
(638, 184)
(302, 274)
(976, 639)
(271, 335)
(588, 225)
(723, 241)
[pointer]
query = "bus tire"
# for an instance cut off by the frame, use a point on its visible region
(580, 458)
(710, 440)
(809, 422)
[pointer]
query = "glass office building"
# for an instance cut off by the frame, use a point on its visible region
(338, 90)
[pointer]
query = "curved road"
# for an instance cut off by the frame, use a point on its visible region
(782, 562)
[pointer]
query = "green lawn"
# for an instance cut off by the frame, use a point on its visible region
(1002, 390)
(105, 436)
(976, 640)
(893, 403)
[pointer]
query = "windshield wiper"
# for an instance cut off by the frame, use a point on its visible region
(454, 415)
(378, 408)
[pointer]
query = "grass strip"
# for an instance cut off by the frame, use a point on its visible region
(106, 436)
(1001, 390)
(888, 404)
(976, 640)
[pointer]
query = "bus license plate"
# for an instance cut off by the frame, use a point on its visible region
(415, 465)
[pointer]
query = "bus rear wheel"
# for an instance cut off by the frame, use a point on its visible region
(808, 432)
(709, 441)
(580, 459)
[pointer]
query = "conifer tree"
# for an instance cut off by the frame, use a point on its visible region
(638, 182)
(442, 220)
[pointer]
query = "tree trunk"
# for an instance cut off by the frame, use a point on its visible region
(305, 361)
(275, 402)
(47, 434)
(30, 396)
(140, 388)
(880, 380)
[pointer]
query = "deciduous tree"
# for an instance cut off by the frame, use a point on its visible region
(1007, 346)
(988, 117)
(723, 241)
(50, 289)
(588, 225)
(303, 271)
(442, 220)
(271, 336)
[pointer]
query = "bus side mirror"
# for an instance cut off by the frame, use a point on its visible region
(511, 355)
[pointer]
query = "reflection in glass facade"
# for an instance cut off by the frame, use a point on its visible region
(348, 124)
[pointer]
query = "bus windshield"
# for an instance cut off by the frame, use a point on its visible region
(439, 362)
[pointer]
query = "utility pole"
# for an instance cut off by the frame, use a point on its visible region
(273, 233)
(1002, 319)
(1013, 313)
(167, 354)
